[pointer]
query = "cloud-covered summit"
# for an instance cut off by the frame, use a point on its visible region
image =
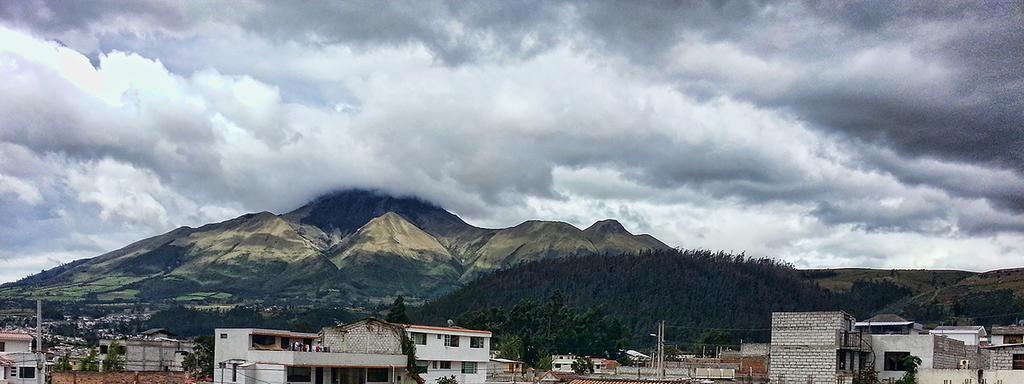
(863, 134)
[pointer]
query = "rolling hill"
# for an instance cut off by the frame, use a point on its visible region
(339, 248)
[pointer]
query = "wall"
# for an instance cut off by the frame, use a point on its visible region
(17, 345)
(1002, 358)
(971, 376)
(120, 378)
(152, 355)
(921, 346)
(803, 346)
(363, 337)
(947, 353)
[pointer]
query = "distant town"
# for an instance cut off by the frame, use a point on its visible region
(819, 347)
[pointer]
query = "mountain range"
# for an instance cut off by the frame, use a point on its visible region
(342, 247)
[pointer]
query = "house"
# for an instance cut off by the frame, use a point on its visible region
(889, 324)
(553, 377)
(364, 352)
(451, 351)
(815, 348)
(1010, 334)
(150, 354)
(969, 334)
(562, 363)
(1006, 356)
(935, 351)
(19, 364)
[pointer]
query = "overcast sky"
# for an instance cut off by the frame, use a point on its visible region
(878, 134)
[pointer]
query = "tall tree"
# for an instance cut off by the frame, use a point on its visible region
(115, 360)
(396, 314)
(199, 363)
(91, 362)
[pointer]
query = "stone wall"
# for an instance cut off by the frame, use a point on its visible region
(120, 378)
(804, 346)
(367, 336)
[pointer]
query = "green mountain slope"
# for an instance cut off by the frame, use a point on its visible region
(697, 290)
(346, 246)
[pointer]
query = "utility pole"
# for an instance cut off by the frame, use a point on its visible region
(40, 357)
(661, 349)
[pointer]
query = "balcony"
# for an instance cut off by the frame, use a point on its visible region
(326, 359)
(853, 340)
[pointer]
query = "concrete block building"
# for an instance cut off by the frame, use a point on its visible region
(935, 352)
(815, 348)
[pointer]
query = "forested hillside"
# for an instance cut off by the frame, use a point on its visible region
(694, 291)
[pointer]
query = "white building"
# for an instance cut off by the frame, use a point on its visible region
(443, 352)
(20, 365)
(1010, 334)
(969, 334)
(935, 352)
(365, 352)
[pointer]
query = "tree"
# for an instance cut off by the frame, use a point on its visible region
(396, 314)
(709, 340)
(544, 363)
(447, 380)
(115, 360)
(866, 376)
(91, 362)
(63, 364)
(909, 365)
(200, 362)
(582, 366)
(672, 353)
(510, 347)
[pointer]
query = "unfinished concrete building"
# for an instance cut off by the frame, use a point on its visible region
(815, 348)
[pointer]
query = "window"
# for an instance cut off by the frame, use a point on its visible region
(451, 340)
(1013, 339)
(419, 338)
(476, 342)
(286, 343)
(468, 367)
(841, 359)
(104, 349)
(894, 361)
(223, 335)
(376, 375)
(421, 366)
(446, 365)
(1018, 361)
(27, 372)
(264, 342)
(300, 374)
(3, 347)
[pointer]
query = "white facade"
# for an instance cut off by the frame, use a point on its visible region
(263, 356)
(443, 352)
(19, 364)
(970, 335)
(562, 363)
(935, 352)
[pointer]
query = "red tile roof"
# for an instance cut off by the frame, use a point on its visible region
(15, 336)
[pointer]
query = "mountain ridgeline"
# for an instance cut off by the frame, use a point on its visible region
(340, 248)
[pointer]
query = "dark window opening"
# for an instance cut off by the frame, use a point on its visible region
(476, 342)
(27, 372)
(1018, 361)
(377, 375)
(300, 374)
(894, 361)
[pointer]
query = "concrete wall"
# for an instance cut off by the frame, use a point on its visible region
(152, 355)
(935, 352)
(804, 346)
(17, 345)
(947, 353)
(969, 376)
(120, 378)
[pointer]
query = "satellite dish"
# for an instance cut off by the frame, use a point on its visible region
(451, 323)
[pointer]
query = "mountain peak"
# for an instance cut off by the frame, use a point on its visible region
(606, 226)
(346, 211)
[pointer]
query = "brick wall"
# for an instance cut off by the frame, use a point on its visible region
(1002, 358)
(368, 336)
(947, 353)
(120, 378)
(804, 346)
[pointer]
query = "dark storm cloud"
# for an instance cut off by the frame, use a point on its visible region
(890, 118)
